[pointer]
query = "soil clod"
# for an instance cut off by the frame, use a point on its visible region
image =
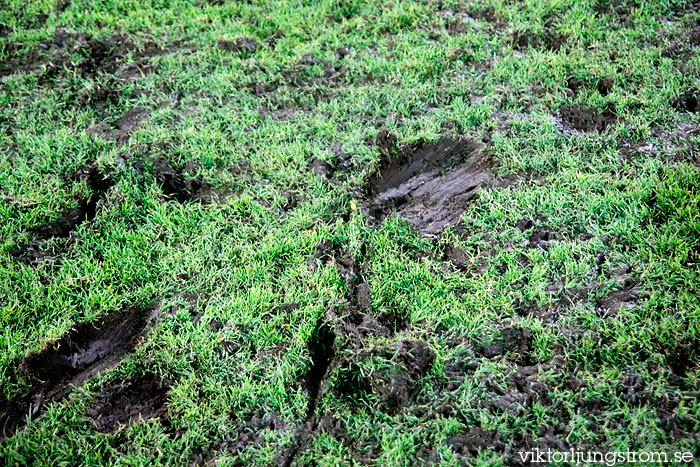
(242, 45)
(176, 183)
(430, 184)
(586, 119)
(136, 399)
(89, 348)
(321, 350)
(69, 221)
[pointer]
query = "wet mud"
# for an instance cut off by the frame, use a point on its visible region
(429, 185)
(87, 349)
(133, 400)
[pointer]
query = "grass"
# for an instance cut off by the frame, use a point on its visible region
(518, 358)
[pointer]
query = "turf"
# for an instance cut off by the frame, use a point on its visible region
(219, 240)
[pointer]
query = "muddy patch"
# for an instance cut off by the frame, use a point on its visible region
(604, 86)
(174, 182)
(550, 40)
(321, 351)
(68, 222)
(243, 46)
(95, 56)
(321, 347)
(131, 401)
(578, 118)
(89, 348)
(687, 102)
(396, 387)
(120, 130)
(429, 185)
(680, 144)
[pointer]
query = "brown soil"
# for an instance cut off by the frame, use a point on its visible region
(69, 221)
(129, 401)
(87, 349)
(429, 185)
(585, 119)
(121, 129)
(243, 46)
(102, 55)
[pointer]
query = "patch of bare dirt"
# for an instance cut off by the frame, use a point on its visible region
(687, 102)
(177, 183)
(95, 55)
(244, 46)
(68, 222)
(120, 131)
(134, 400)
(550, 39)
(87, 349)
(429, 185)
(579, 118)
(675, 145)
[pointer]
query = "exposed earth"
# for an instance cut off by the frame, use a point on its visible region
(348, 233)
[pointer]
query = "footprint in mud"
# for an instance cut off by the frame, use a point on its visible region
(580, 118)
(69, 220)
(395, 387)
(179, 184)
(429, 185)
(136, 399)
(120, 131)
(89, 348)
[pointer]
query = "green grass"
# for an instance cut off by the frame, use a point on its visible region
(248, 125)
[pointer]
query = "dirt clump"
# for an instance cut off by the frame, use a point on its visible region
(473, 441)
(139, 398)
(68, 222)
(515, 341)
(178, 183)
(120, 131)
(321, 351)
(428, 184)
(687, 102)
(585, 119)
(87, 349)
(549, 40)
(97, 56)
(394, 385)
(243, 45)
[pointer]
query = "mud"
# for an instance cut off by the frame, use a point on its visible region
(473, 441)
(104, 55)
(586, 119)
(243, 46)
(178, 183)
(429, 184)
(673, 145)
(515, 341)
(321, 351)
(130, 401)
(682, 48)
(315, 75)
(550, 40)
(687, 102)
(621, 9)
(120, 131)
(87, 349)
(68, 222)
(412, 359)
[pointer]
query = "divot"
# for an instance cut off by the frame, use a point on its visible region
(87, 349)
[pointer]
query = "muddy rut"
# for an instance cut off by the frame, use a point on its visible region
(89, 348)
(429, 185)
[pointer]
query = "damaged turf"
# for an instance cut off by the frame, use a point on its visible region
(429, 185)
(69, 221)
(136, 399)
(88, 349)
